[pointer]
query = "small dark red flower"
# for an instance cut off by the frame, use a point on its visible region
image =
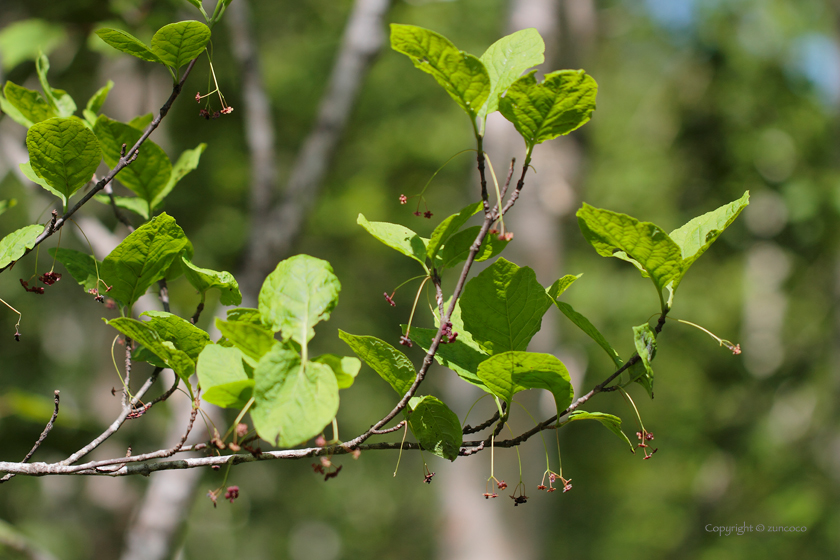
(502, 485)
(428, 478)
(417, 213)
(227, 110)
(33, 289)
(403, 199)
(198, 97)
(232, 493)
(204, 113)
(427, 214)
(389, 299)
(405, 341)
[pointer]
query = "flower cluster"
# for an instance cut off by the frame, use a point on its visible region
(448, 336)
(645, 436)
(33, 289)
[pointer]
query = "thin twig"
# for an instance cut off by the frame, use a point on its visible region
(389, 430)
(41, 439)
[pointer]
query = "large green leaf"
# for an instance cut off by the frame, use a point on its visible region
(64, 152)
(505, 61)
(397, 237)
(510, 372)
(300, 293)
(698, 235)
(587, 327)
(645, 341)
(30, 104)
(142, 258)
(293, 401)
(149, 174)
(448, 227)
(561, 285)
(187, 162)
(184, 335)
(222, 377)
(81, 266)
(127, 43)
(178, 43)
(30, 174)
(143, 333)
(202, 279)
(14, 245)
(503, 307)
(457, 248)
(462, 75)
(614, 234)
(460, 356)
(392, 365)
(345, 369)
(436, 427)
(563, 102)
(610, 422)
(254, 340)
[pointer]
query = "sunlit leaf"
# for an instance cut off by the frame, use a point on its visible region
(505, 61)
(392, 365)
(436, 427)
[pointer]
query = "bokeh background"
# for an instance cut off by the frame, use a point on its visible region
(699, 100)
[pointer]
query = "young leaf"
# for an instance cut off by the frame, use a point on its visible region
(698, 235)
(81, 266)
(397, 237)
(178, 43)
(505, 61)
(563, 102)
(65, 105)
(142, 258)
(64, 152)
(644, 242)
(222, 377)
(462, 75)
(510, 372)
(30, 104)
(184, 335)
(96, 101)
(26, 169)
(131, 203)
(144, 334)
(448, 227)
(203, 279)
(392, 365)
(127, 43)
(555, 290)
(610, 422)
(187, 161)
(149, 174)
(587, 327)
(457, 248)
(645, 341)
(503, 307)
(14, 245)
(436, 427)
(254, 340)
(345, 369)
(300, 293)
(293, 401)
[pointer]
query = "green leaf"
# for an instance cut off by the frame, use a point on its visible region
(81, 266)
(64, 152)
(245, 315)
(96, 101)
(647, 244)
(345, 369)
(142, 258)
(450, 226)
(555, 290)
(698, 235)
(178, 43)
(141, 122)
(610, 422)
(397, 237)
(460, 356)
(293, 401)
(503, 307)
(505, 61)
(131, 203)
(203, 279)
(144, 334)
(457, 248)
(254, 340)
(7, 204)
(300, 293)
(14, 245)
(436, 427)
(587, 327)
(26, 169)
(187, 162)
(184, 335)
(26, 39)
(176, 269)
(511, 372)
(563, 102)
(462, 75)
(30, 104)
(127, 43)
(148, 175)
(645, 341)
(222, 377)
(9, 110)
(196, 3)
(392, 365)
(64, 103)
